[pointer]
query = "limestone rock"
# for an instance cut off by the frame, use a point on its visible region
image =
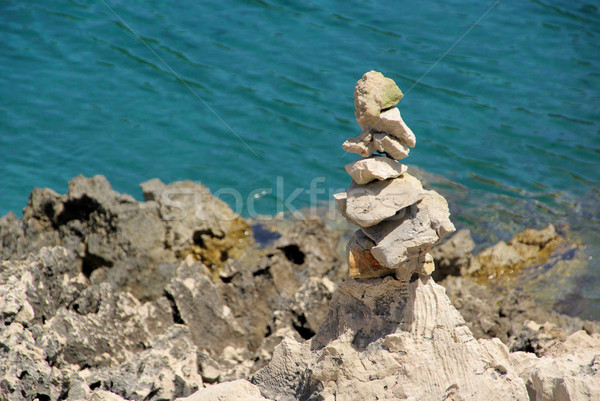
(504, 260)
(385, 339)
(368, 143)
(512, 316)
(166, 370)
(569, 371)
(31, 290)
(203, 310)
(370, 204)
(389, 145)
(361, 145)
(364, 171)
(361, 262)
(373, 93)
(285, 287)
(25, 373)
(341, 199)
(390, 122)
(198, 223)
(424, 225)
(311, 303)
(453, 256)
(133, 245)
(107, 329)
(103, 395)
(238, 390)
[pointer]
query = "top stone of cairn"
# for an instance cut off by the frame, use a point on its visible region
(374, 93)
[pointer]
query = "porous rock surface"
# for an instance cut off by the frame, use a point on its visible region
(386, 339)
(569, 370)
(120, 240)
(106, 298)
(66, 334)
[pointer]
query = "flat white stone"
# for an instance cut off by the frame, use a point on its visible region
(359, 145)
(366, 170)
(369, 204)
(407, 237)
(366, 144)
(389, 145)
(391, 123)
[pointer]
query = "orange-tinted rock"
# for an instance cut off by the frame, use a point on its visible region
(361, 263)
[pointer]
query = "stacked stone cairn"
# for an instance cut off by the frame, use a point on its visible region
(399, 220)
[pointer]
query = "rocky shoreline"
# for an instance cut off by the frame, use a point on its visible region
(103, 297)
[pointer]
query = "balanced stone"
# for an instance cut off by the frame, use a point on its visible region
(390, 122)
(368, 143)
(366, 170)
(390, 146)
(373, 93)
(361, 145)
(369, 204)
(408, 237)
(361, 262)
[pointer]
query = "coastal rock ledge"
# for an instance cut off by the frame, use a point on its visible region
(105, 298)
(385, 339)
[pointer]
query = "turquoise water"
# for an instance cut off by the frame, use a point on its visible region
(236, 93)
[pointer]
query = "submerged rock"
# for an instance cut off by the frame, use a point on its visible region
(505, 261)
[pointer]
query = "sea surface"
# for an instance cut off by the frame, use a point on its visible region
(254, 98)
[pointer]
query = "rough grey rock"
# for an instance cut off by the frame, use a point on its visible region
(103, 395)
(453, 256)
(112, 335)
(202, 309)
(134, 245)
(390, 122)
(31, 290)
(238, 390)
(424, 224)
(386, 339)
(25, 373)
(108, 333)
(374, 93)
(366, 170)
(368, 205)
(286, 289)
(191, 214)
(166, 370)
(569, 371)
(512, 316)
